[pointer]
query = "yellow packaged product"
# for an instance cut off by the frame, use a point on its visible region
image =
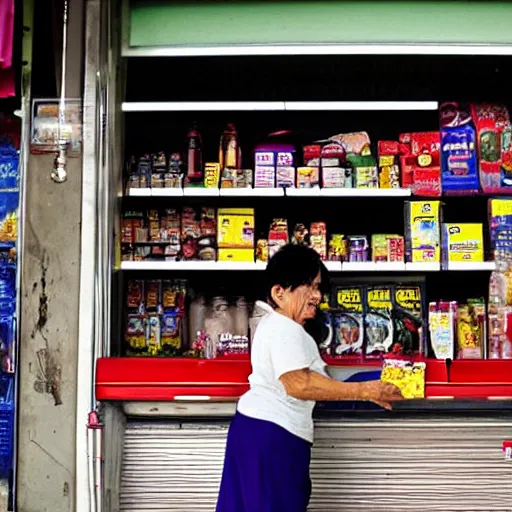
(409, 377)
(235, 235)
(463, 242)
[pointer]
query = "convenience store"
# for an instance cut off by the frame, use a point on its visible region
(316, 69)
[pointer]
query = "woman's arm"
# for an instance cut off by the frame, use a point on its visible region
(307, 385)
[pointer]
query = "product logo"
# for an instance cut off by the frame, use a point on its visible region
(350, 299)
(454, 230)
(426, 208)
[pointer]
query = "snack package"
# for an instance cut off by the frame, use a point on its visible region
(407, 376)
(135, 332)
(423, 231)
(407, 320)
(153, 289)
(277, 236)
(463, 242)
(170, 225)
(236, 178)
(275, 162)
(262, 250)
(190, 233)
(211, 175)
(300, 235)
(458, 151)
(337, 250)
(337, 177)
(171, 335)
(135, 294)
(500, 226)
(173, 178)
(347, 320)
(494, 136)
(471, 320)
(388, 248)
(423, 163)
(442, 329)
(378, 324)
(318, 238)
(357, 248)
(158, 170)
(389, 170)
(308, 177)
(235, 234)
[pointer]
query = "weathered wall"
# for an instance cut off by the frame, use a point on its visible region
(49, 320)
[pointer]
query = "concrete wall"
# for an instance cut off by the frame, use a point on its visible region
(49, 320)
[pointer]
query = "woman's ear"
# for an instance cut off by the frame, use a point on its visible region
(278, 294)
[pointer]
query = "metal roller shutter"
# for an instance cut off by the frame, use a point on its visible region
(430, 464)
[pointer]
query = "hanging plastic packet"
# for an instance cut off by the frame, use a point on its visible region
(378, 323)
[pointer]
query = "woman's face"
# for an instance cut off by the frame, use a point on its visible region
(300, 304)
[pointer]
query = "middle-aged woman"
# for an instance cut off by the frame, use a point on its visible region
(266, 466)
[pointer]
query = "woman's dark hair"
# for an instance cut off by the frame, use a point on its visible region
(293, 266)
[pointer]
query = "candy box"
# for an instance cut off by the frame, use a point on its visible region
(407, 320)
(347, 320)
(357, 248)
(211, 175)
(423, 231)
(500, 225)
(378, 324)
(458, 151)
(494, 139)
(389, 170)
(387, 248)
(463, 242)
(337, 250)
(235, 236)
(336, 177)
(277, 236)
(236, 178)
(318, 238)
(308, 177)
(407, 376)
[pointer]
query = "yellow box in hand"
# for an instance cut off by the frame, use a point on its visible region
(407, 376)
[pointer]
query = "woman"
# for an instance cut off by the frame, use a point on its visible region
(266, 467)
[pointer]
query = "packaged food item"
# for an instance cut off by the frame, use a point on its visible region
(463, 242)
(494, 138)
(378, 324)
(500, 225)
(356, 143)
(388, 248)
(153, 290)
(171, 334)
(348, 321)
(264, 169)
(158, 170)
(277, 236)
(153, 335)
(407, 320)
(389, 170)
(230, 153)
(337, 177)
(173, 178)
(458, 150)
(190, 233)
(337, 248)
(262, 250)
(423, 231)
(407, 376)
(279, 154)
(423, 163)
(300, 235)
(170, 231)
(211, 175)
(308, 177)
(135, 332)
(235, 238)
(318, 238)
(135, 294)
(236, 178)
(471, 319)
(195, 175)
(357, 248)
(442, 329)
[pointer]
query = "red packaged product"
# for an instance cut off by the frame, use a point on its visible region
(494, 139)
(311, 152)
(388, 147)
(425, 148)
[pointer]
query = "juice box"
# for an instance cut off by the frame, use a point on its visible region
(463, 242)
(423, 231)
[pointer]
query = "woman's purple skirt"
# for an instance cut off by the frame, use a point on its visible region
(266, 469)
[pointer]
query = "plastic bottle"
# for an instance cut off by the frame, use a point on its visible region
(195, 173)
(230, 154)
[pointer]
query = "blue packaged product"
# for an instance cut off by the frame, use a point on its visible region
(459, 172)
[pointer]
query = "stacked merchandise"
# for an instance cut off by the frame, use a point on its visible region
(9, 199)
(159, 323)
(227, 234)
(471, 152)
(7, 80)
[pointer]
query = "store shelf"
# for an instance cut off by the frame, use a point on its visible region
(317, 49)
(251, 192)
(167, 192)
(191, 265)
(200, 192)
(365, 192)
(422, 267)
(140, 192)
(303, 192)
(471, 266)
(238, 106)
(371, 266)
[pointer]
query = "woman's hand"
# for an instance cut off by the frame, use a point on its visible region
(381, 393)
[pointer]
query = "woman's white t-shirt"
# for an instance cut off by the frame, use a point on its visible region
(280, 346)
